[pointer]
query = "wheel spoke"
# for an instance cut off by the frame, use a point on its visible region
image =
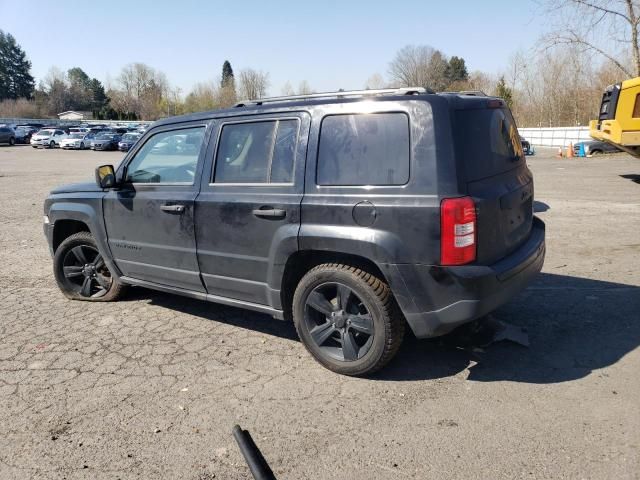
(362, 323)
(321, 333)
(86, 287)
(319, 303)
(79, 254)
(72, 271)
(103, 281)
(349, 347)
(98, 262)
(344, 294)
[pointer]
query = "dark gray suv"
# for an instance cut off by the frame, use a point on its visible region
(351, 213)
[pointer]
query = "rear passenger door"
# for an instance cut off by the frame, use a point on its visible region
(248, 209)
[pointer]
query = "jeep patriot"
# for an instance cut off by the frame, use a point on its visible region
(353, 214)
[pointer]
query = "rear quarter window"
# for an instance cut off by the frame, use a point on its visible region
(364, 149)
(487, 142)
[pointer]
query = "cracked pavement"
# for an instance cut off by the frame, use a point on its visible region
(150, 387)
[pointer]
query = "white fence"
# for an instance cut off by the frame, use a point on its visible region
(555, 137)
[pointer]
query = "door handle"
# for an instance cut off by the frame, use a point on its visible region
(172, 208)
(270, 212)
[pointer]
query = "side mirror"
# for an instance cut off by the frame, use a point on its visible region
(106, 176)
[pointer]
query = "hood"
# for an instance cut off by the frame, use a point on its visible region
(77, 187)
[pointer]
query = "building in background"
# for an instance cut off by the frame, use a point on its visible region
(72, 115)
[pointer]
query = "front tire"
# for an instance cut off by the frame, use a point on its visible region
(52, 144)
(12, 141)
(347, 319)
(81, 272)
(81, 145)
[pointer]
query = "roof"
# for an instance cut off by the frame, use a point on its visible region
(264, 105)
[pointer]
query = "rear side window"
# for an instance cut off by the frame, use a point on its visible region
(364, 149)
(487, 141)
(257, 152)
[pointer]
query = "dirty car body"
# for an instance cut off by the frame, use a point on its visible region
(361, 182)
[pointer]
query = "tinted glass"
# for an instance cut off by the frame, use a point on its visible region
(284, 152)
(257, 152)
(167, 157)
(488, 142)
(367, 149)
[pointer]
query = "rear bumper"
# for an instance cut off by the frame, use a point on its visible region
(435, 299)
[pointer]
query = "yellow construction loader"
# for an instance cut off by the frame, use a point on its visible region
(619, 120)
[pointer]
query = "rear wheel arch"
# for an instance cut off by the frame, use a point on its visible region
(302, 261)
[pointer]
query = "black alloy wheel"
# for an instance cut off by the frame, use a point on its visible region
(86, 272)
(339, 322)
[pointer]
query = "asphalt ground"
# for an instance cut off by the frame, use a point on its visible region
(151, 386)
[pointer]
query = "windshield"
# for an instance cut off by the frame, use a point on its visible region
(129, 137)
(105, 136)
(45, 132)
(76, 135)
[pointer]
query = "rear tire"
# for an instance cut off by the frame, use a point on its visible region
(347, 319)
(81, 272)
(52, 144)
(81, 145)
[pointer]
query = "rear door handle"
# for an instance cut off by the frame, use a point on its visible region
(172, 208)
(270, 212)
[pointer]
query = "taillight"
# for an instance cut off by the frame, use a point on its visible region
(457, 231)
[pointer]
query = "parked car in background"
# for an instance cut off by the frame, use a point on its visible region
(593, 147)
(7, 135)
(78, 130)
(105, 141)
(76, 141)
(526, 146)
(128, 140)
(48, 137)
(23, 135)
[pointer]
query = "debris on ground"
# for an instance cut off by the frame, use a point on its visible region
(481, 333)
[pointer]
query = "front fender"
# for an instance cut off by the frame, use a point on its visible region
(88, 212)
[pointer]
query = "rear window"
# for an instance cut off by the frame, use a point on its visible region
(364, 149)
(487, 141)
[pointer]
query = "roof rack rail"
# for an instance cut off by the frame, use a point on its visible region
(475, 93)
(338, 94)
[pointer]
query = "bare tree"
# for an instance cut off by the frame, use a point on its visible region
(419, 66)
(375, 82)
(287, 89)
(253, 84)
(304, 88)
(608, 28)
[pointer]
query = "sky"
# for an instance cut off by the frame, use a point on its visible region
(330, 44)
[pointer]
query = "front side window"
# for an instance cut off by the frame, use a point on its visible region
(167, 157)
(257, 152)
(364, 149)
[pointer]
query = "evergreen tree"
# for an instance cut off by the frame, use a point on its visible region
(15, 77)
(227, 75)
(457, 70)
(504, 92)
(80, 94)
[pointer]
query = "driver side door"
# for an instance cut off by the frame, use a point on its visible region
(150, 219)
